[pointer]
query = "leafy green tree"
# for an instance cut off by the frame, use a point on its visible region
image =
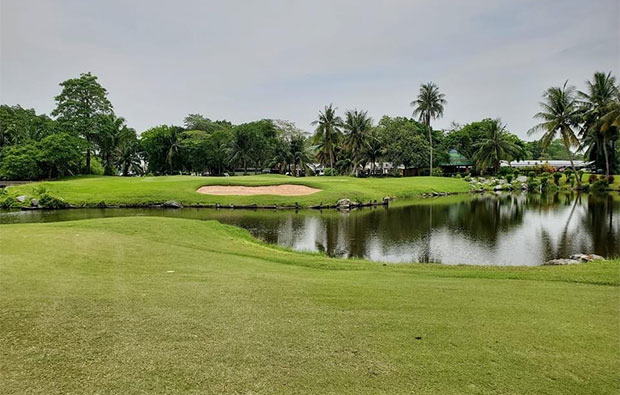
(495, 146)
(463, 138)
(161, 146)
(129, 158)
(429, 105)
(357, 125)
(217, 151)
(19, 125)
(19, 162)
(79, 107)
(327, 135)
(60, 154)
(199, 122)
(300, 152)
(560, 115)
(241, 150)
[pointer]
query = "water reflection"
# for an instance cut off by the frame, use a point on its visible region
(490, 229)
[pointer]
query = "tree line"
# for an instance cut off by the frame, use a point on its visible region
(83, 135)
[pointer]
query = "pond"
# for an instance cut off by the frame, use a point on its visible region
(488, 229)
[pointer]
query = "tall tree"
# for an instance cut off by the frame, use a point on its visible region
(327, 134)
(79, 106)
(112, 135)
(596, 101)
(495, 146)
(429, 105)
(357, 125)
(560, 115)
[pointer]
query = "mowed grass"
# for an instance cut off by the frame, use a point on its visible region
(92, 190)
(162, 305)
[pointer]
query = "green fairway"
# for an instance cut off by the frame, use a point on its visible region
(92, 190)
(161, 305)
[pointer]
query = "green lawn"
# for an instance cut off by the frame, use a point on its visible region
(162, 305)
(91, 190)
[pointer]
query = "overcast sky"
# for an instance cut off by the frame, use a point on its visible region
(247, 60)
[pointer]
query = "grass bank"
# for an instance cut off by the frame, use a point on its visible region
(161, 305)
(92, 190)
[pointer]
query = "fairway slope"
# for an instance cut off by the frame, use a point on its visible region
(162, 305)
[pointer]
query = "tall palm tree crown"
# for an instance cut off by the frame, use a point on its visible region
(495, 147)
(429, 105)
(560, 114)
(357, 125)
(597, 102)
(327, 134)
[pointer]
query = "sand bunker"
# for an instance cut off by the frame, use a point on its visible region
(281, 190)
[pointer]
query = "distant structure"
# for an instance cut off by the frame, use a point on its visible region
(558, 164)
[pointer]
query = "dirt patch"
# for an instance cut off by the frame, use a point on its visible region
(280, 190)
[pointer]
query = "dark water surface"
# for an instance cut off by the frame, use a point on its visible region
(507, 229)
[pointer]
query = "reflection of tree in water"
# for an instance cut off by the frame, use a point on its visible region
(588, 225)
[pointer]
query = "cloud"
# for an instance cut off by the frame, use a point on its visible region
(286, 59)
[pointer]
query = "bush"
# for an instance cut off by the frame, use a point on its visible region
(600, 186)
(8, 201)
(467, 178)
(556, 178)
(531, 174)
(509, 178)
(592, 179)
(516, 173)
(533, 185)
(458, 175)
(544, 183)
(580, 174)
(437, 172)
(330, 172)
(505, 170)
(571, 179)
(610, 179)
(568, 173)
(50, 202)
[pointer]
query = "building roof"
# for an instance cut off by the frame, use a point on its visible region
(456, 159)
(554, 163)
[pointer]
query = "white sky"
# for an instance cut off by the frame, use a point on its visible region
(241, 61)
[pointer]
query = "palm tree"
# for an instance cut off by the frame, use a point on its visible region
(357, 124)
(129, 159)
(241, 149)
(174, 145)
(327, 134)
(374, 149)
(597, 102)
(495, 147)
(560, 114)
(300, 152)
(429, 105)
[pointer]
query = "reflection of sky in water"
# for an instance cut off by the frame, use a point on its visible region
(492, 230)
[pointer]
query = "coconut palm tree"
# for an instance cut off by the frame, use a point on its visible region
(300, 152)
(560, 114)
(597, 101)
(495, 147)
(374, 149)
(129, 159)
(429, 105)
(356, 126)
(327, 134)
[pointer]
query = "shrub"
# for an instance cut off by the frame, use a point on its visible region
(330, 172)
(516, 173)
(544, 183)
(592, 179)
(48, 201)
(458, 176)
(509, 178)
(571, 179)
(8, 201)
(533, 185)
(556, 178)
(437, 172)
(610, 179)
(505, 170)
(580, 174)
(467, 178)
(531, 174)
(600, 185)
(568, 173)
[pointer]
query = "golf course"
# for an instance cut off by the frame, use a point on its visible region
(162, 305)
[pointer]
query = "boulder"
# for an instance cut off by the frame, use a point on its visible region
(34, 202)
(172, 204)
(586, 257)
(524, 187)
(521, 179)
(498, 188)
(386, 199)
(561, 262)
(343, 203)
(21, 198)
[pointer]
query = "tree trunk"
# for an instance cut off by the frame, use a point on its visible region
(606, 158)
(572, 164)
(430, 140)
(88, 157)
